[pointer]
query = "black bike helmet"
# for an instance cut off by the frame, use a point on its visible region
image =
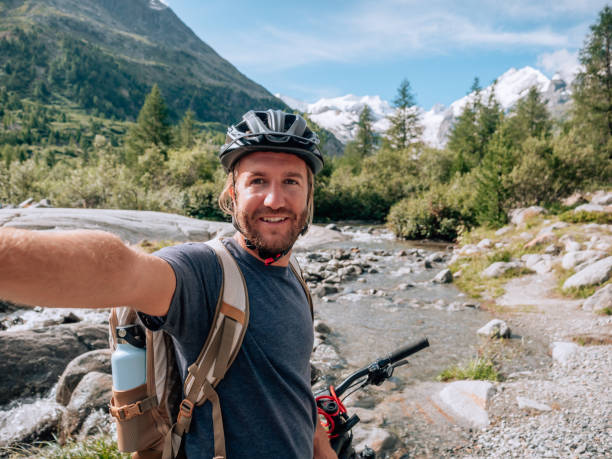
(271, 130)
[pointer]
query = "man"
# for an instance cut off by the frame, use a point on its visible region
(268, 407)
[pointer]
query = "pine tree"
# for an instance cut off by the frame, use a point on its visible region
(492, 192)
(365, 140)
(474, 129)
(593, 86)
(530, 118)
(187, 130)
(152, 127)
(405, 123)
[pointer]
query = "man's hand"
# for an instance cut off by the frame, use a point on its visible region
(322, 447)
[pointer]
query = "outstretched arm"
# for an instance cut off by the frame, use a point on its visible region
(81, 269)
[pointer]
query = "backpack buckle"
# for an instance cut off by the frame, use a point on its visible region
(186, 409)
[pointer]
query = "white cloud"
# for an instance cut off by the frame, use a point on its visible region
(562, 61)
(393, 28)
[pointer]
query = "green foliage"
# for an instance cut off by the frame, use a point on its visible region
(152, 127)
(186, 131)
(529, 118)
(602, 218)
(431, 215)
(92, 448)
(405, 126)
(491, 192)
(476, 369)
(365, 140)
(593, 86)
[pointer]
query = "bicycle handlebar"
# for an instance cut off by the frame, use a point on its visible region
(389, 359)
(403, 352)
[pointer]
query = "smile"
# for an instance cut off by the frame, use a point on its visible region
(273, 219)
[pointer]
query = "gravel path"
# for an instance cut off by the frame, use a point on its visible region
(571, 402)
(575, 420)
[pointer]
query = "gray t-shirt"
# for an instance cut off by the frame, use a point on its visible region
(266, 401)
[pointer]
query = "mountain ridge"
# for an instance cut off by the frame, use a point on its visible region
(149, 44)
(340, 114)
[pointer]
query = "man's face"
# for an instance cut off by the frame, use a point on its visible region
(271, 195)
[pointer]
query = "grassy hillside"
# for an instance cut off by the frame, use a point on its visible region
(104, 56)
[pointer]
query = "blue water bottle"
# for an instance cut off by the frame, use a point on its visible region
(129, 361)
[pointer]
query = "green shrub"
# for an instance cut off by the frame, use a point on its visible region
(428, 216)
(602, 218)
(476, 369)
(91, 448)
(200, 201)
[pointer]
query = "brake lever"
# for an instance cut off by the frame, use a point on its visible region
(401, 363)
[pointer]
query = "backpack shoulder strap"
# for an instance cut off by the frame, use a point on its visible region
(217, 355)
(295, 267)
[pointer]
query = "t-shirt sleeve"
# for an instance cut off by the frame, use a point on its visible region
(198, 280)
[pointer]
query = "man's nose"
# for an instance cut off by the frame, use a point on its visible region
(274, 196)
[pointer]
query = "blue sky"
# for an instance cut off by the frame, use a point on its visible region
(314, 49)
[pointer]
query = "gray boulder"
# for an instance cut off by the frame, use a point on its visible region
(601, 299)
(496, 328)
(594, 274)
(602, 198)
(563, 352)
(443, 277)
(93, 392)
(380, 440)
(98, 360)
(436, 257)
(519, 217)
(572, 259)
(324, 289)
(592, 208)
(33, 360)
(468, 400)
(574, 199)
(499, 268)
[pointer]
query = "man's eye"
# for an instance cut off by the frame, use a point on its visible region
(291, 182)
(257, 181)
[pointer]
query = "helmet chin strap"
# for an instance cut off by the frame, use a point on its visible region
(267, 256)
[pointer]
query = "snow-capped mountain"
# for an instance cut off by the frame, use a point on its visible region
(340, 115)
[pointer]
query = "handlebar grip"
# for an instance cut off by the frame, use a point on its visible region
(405, 351)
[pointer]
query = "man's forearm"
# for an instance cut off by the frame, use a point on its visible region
(62, 269)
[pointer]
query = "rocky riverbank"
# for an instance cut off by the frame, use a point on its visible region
(552, 281)
(552, 399)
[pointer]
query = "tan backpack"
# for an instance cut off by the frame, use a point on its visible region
(152, 419)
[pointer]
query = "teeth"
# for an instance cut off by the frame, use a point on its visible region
(274, 220)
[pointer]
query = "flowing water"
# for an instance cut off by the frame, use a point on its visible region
(367, 325)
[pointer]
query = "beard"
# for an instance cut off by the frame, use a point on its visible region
(277, 242)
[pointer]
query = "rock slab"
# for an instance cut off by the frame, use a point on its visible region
(499, 268)
(496, 328)
(468, 399)
(594, 274)
(601, 299)
(563, 352)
